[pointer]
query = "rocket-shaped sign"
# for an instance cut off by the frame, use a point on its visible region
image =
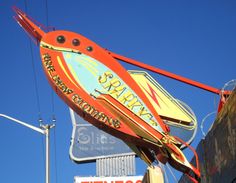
(98, 88)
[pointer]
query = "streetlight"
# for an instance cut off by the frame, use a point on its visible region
(45, 130)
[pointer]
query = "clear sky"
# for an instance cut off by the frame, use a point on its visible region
(196, 39)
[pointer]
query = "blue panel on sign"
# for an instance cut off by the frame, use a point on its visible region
(88, 143)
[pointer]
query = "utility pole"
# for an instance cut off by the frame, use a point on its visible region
(45, 130)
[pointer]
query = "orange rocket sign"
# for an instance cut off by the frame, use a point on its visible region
(99, 89)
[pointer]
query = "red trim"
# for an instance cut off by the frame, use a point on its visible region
(197, 161)
(192, 179)
(192, 149)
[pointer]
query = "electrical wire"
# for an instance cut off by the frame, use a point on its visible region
(46, 5)
(171, 172)
(36, 88)
(53, 106)
(34, 74)
(52, 92)
(203, 122)
(166, 179)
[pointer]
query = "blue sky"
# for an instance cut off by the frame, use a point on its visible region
(196, 39)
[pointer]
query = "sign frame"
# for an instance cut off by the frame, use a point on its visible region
(92, 158)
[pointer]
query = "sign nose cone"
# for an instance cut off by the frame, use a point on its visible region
(32, 28)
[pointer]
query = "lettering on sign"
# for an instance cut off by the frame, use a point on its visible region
(51, 70)
(125, 96)
(82, 104)
(48, 63)
(128, 179)
(115, 181)
(86, 136)
(61, 85)
(94, 112)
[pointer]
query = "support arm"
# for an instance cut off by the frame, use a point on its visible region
(23, 123)
(165, 73)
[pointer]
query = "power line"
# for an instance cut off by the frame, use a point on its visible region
(46, 5)
(173, 175)
(53, 108)
(36, 87)
(34, 73)
(52, 92)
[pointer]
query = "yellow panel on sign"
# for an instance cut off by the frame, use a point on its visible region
(169, 109)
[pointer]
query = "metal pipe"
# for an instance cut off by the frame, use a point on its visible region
(23, 123)
(47, 128)
(165, 73)
(47, 155)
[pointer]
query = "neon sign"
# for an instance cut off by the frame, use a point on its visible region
(127, 105)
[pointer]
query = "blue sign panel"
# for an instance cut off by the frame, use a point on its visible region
(88, 143)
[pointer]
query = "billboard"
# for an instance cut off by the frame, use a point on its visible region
(88, 143)
(128, 179)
